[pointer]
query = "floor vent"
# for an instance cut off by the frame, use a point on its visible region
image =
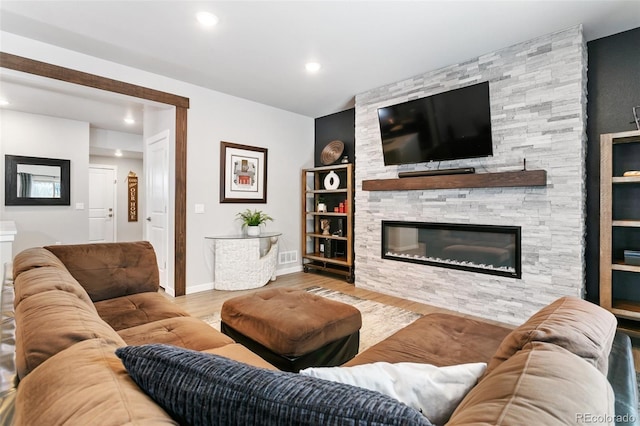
(288, 257)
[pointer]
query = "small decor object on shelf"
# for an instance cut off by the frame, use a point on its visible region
(328, 248)
(326, 226)
(322, 207)
(632, 257)
(345, 159)
(332, 180)
(331, 152)
(252, 219)
(631, 173)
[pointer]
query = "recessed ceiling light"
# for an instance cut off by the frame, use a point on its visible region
(4, 102)
(129, 120)
(207, 19)
(118, 153)
(312, 66)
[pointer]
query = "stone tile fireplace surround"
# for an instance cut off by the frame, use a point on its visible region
(538, 112)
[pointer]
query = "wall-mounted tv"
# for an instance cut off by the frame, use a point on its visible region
(447, 126)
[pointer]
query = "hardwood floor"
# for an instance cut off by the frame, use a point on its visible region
(207, 302)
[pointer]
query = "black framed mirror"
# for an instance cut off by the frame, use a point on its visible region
(34, 181)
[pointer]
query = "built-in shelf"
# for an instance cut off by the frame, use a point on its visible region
(619, 152)
(314, 244)
(331, 237)
(626, 308)
(326, 214)
(472, 180)
(319, 257)
(626, 179)
(626, 223)
(621, 266)
(326, 191)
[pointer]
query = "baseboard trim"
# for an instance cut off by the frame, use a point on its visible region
(209, 286)
(291, 270)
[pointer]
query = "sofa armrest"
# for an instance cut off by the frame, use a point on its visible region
(622, 376)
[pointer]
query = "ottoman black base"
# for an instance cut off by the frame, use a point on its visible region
(332, 354)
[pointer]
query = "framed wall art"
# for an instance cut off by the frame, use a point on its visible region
(243, 173)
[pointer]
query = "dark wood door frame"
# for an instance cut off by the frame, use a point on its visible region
(181, 104)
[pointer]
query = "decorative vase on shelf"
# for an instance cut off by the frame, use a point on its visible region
(331, 180)
(253, 231)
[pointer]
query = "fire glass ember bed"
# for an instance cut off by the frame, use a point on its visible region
(486, 249)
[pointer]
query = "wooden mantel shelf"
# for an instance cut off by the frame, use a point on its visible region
(472, 180)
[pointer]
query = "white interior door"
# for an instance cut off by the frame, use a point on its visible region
(102, 203)
(157, 190)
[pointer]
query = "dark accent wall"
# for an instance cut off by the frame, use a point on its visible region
(340, 126)
(613, 85)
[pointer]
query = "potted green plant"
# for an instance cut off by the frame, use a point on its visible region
(322, 207)
(252, 219)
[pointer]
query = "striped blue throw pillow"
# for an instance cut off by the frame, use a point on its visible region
(204, 389)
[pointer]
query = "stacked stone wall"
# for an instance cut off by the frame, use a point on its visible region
(538, 112)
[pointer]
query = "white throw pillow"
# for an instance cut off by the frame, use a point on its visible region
(435, 391)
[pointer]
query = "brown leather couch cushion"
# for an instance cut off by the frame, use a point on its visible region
(580, 327)
(36, 257)
(529, 388)
(85, 385)
(111, 270)
(237, 352)
(137, 309)
(438, 339)
(290, 322)
(185, 332)
(39, 280)
(53, 321)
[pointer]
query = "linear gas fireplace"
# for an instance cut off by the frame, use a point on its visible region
(486, 249)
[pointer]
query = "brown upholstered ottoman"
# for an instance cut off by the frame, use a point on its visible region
(293, 329)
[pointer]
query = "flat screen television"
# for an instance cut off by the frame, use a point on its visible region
(447, 126)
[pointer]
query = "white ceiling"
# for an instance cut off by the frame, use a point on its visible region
(40, 95)
(258, 49)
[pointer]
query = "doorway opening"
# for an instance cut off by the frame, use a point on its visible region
(181, 104)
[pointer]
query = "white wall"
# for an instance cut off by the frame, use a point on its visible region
(213, 117)
(289, 140)
(126, 231)
(41, 136)
(112, 140)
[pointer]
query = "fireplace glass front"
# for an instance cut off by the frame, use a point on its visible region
(486, 249)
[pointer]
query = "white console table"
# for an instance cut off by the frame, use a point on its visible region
(242, 262)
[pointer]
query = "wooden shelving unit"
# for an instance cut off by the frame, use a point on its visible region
(313, 240)
(472, 180)
(620, 227)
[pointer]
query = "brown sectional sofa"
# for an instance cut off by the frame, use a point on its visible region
(75, 305)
